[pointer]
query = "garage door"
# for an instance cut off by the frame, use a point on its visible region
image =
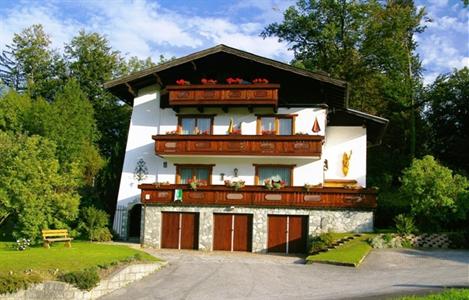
(180, 230)
(232, 232)
(287, 234)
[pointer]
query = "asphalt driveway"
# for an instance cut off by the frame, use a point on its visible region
(385, 273)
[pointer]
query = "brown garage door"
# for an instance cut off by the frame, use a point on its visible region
(180, 230)
(287, 234)
(232, 232)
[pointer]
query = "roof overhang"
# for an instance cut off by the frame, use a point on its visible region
(376, 126)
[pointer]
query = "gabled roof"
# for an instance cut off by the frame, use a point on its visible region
(126, 87)
(225, 49)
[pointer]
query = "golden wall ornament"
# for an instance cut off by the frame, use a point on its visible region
(346, 162)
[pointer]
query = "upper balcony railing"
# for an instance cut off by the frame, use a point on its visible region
(223, 94)
(239, 145)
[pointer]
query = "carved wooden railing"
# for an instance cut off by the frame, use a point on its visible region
(259, 196)
(252, 145)
(223, 94)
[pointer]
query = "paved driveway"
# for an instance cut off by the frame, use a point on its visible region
(199, 275)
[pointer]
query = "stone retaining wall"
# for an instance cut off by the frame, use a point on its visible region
(319, 221)
(52, 290)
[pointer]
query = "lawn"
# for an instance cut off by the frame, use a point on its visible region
(350, 254)
(451, 294)
(80, 256)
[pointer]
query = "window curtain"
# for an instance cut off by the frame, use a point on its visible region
(188, 125)
(285, 126)
(201, 174)
(186, 174)
(268, 124)
(204, 125)
(269, 172)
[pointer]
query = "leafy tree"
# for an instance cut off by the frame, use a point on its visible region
(14, 111)
(448, 118)
(34, 192)
(370, 44)
(436, 195)
(71, 125)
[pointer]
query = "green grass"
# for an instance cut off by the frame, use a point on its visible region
(451, 294)
(80, 256)
(349, 254)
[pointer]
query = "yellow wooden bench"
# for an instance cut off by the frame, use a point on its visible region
(56, 235)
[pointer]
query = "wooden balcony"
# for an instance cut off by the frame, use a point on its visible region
(223, 95)
(239, 145)
(259, 196)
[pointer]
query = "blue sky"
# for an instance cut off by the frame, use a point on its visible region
(178, 27)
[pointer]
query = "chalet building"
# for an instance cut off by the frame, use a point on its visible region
(228, 150)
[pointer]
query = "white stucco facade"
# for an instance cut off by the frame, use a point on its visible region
(149, 119)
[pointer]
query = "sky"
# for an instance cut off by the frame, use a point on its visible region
(145, 28)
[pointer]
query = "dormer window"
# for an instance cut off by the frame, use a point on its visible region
(195, 124)
(276, 124)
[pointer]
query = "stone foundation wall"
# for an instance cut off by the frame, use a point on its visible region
(52, 290)
(319, 221)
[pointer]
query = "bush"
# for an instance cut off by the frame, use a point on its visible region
(84, 280)
(15, 282)
(404, 224)
(459, 240)
(321, 242)
(389, 241)
(101, 235)
(435, 194)
(94, 224)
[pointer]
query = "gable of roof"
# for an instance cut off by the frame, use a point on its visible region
(124, 87)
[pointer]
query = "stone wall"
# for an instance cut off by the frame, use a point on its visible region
(319, 221)
(52, 290)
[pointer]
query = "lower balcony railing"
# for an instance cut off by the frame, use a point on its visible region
(244, 145)
(259, 196)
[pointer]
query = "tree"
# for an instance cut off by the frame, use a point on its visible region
(436, 195)
(34, 192)
(448, 118)
(29, 64)
(71, 125)
(370, 44)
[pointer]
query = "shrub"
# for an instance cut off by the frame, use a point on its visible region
(459, 239)
(404, 224)
(389, 241)
(101, 235)
(84, 280)
(321, 242)
(94, 224)
(15, 282)
(435, 193)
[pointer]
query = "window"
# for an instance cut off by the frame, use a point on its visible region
(276, 124)
(284, 172)
(195, 124)
(200, 172)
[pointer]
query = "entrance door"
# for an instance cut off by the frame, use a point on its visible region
(232, 232)
(287, 234)
(180, 230)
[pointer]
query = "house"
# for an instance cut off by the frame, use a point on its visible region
(228, 150)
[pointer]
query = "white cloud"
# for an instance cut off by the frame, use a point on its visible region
(143, 28)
